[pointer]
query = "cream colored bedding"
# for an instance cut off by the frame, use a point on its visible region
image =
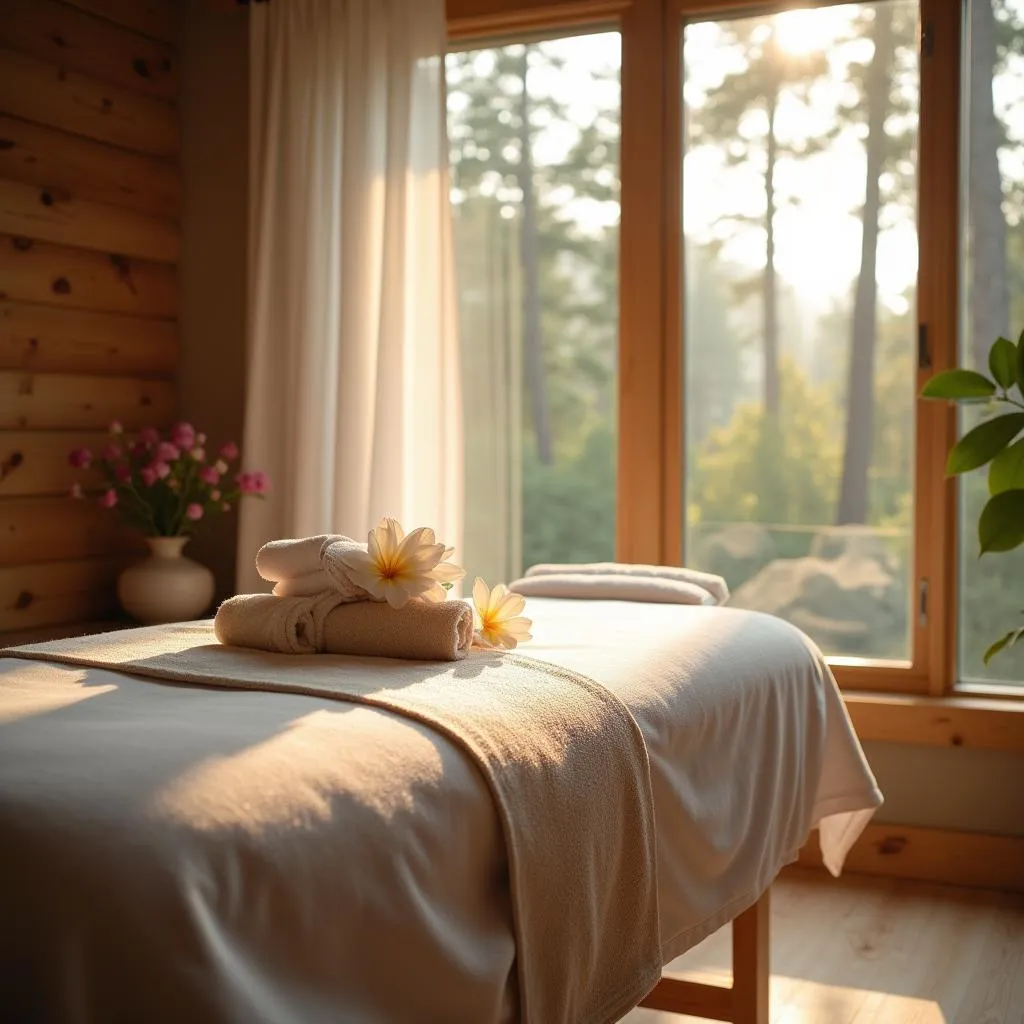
(175, 852)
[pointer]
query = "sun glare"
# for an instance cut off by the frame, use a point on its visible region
(806, 31)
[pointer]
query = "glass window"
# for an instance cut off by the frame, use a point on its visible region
(799, 218)
(992, 289)
(534, 133)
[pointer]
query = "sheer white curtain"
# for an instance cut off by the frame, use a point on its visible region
(352, 402)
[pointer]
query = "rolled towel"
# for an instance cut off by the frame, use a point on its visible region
(288, 625)
(288, 559)
(714, 585)
(612, 587)
(420, 631)
(310, 585)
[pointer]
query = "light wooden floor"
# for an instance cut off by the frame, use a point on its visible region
(880, 951)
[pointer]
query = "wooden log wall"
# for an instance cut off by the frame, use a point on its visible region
(89, 246)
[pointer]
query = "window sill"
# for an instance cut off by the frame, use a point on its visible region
(979, 723)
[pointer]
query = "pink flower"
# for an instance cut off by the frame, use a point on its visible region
(161, 469)
(226, 507)
(76, 491)
(111, 452)
(138, 447)
(230, 450)
(198, 454)
(194, 511)
(183, 435)
(123, 472)
(215, 495)
(149, 436)
(149, 475)
(200, 438)
(221, 466)
(256, 482)
(167, 452)
(115, 427)
(109, 498)
(80, 458)
(209, 475)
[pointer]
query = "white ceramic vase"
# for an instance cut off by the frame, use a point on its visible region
(167, 586)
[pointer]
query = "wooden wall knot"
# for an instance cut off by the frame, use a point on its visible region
(6, 144)
(61, 286)
(46, 198)
(141, 68)
(27, 384)
(24, 599)
(10, 464)
(21, 243)
(892, 845)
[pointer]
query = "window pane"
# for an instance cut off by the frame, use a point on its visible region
(534, 131)
(799, 215)
(992, 587)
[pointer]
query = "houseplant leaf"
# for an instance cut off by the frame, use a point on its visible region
(1002, 362)
(959, 384)
(983, 443)
(1006, 471)
(1007, 641)
(1001, 524)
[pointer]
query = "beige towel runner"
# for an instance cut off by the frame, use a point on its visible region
(565, 763)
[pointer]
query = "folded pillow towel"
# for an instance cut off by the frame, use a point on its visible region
(288, 625)
(310, 585)
(331, 561)
(612, 587)
(420, 631)
(290, 558)
(714, 585)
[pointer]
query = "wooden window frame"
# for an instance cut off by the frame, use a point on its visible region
(650, 464)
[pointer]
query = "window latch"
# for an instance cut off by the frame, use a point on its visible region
(927, 39)
(924, 352)
(922, 603)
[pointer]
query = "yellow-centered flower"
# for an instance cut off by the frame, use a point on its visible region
(397, 567)
(497, 617)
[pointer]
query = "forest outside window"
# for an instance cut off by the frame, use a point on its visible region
(534, 133)
(800, 286)
(799, 219)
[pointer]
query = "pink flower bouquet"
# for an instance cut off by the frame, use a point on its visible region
(166, 485)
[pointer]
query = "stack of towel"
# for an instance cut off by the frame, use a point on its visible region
(618, 581)
(315, 608)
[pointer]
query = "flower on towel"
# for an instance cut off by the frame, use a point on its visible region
(397, 567)
(497, 619)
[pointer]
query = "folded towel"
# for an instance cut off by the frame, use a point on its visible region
(421, 631)
(310, 585)
(331, 560)
(288, 625)
(714, 585)
(611, 587)
(288, 559)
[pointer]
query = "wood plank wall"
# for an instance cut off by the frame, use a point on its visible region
(89, 245)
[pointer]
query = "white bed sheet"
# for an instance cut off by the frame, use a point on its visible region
(265, 912)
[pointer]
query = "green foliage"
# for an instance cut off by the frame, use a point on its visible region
(569, 507)
(764, 471)
(983, 443)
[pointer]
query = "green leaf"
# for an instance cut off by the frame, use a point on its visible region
(1001, 524)
(1006, 473)
(1002, 362)
(958, 384)
(983, 443)
(1007, 641)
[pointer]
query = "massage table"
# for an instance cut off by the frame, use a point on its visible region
(183, 852)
